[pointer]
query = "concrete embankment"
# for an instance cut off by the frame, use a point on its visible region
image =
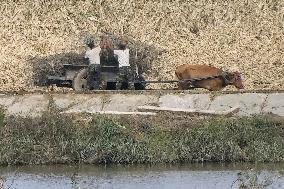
(145, 102)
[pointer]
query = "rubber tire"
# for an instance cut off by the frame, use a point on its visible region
(80, 80)
(140, 86)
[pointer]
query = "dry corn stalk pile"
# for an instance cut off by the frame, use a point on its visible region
(245, 35)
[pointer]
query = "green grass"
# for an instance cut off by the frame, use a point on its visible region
(58, 138)
(2, 116)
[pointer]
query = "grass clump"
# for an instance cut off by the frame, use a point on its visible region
(254, 179)
(60, 138)
(245, 139)
(2, 116)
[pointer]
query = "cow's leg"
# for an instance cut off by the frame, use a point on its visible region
(180, 86)
(184, 85)
(214, 85)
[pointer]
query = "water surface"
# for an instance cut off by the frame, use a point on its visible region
(186, 176)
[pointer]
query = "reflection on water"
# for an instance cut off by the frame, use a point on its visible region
(197, 176)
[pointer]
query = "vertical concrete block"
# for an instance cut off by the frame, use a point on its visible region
(249, 103)
(274, 104)
(29, 105)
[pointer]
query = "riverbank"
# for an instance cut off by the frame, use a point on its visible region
(56, 138)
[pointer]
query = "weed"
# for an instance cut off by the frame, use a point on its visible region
(61, 138)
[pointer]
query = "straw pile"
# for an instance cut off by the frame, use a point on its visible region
(37, 37)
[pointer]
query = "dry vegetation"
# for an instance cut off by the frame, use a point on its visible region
(245, 35)
(56, 138)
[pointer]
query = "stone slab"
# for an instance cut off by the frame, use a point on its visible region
(193, 101)
(123, 103)
(84, 103)
(274, 104)
(249, 103)
(6, 101)
(29, 105)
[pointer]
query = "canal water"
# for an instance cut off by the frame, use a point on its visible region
(185, 176)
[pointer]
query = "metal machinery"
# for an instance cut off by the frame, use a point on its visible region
(107, 75)
(102, 77)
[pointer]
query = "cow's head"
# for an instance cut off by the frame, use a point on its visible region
(237, 80)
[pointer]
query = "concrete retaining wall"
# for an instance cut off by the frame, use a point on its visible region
(248, 103)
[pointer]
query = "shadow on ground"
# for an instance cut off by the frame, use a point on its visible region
(52, 65)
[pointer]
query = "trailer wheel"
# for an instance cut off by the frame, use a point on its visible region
(80, 80)
(139, 84)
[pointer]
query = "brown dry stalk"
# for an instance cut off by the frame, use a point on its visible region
(37, 37)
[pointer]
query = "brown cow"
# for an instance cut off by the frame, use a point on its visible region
(188, 71)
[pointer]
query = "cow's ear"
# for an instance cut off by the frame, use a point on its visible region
(238, 76)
